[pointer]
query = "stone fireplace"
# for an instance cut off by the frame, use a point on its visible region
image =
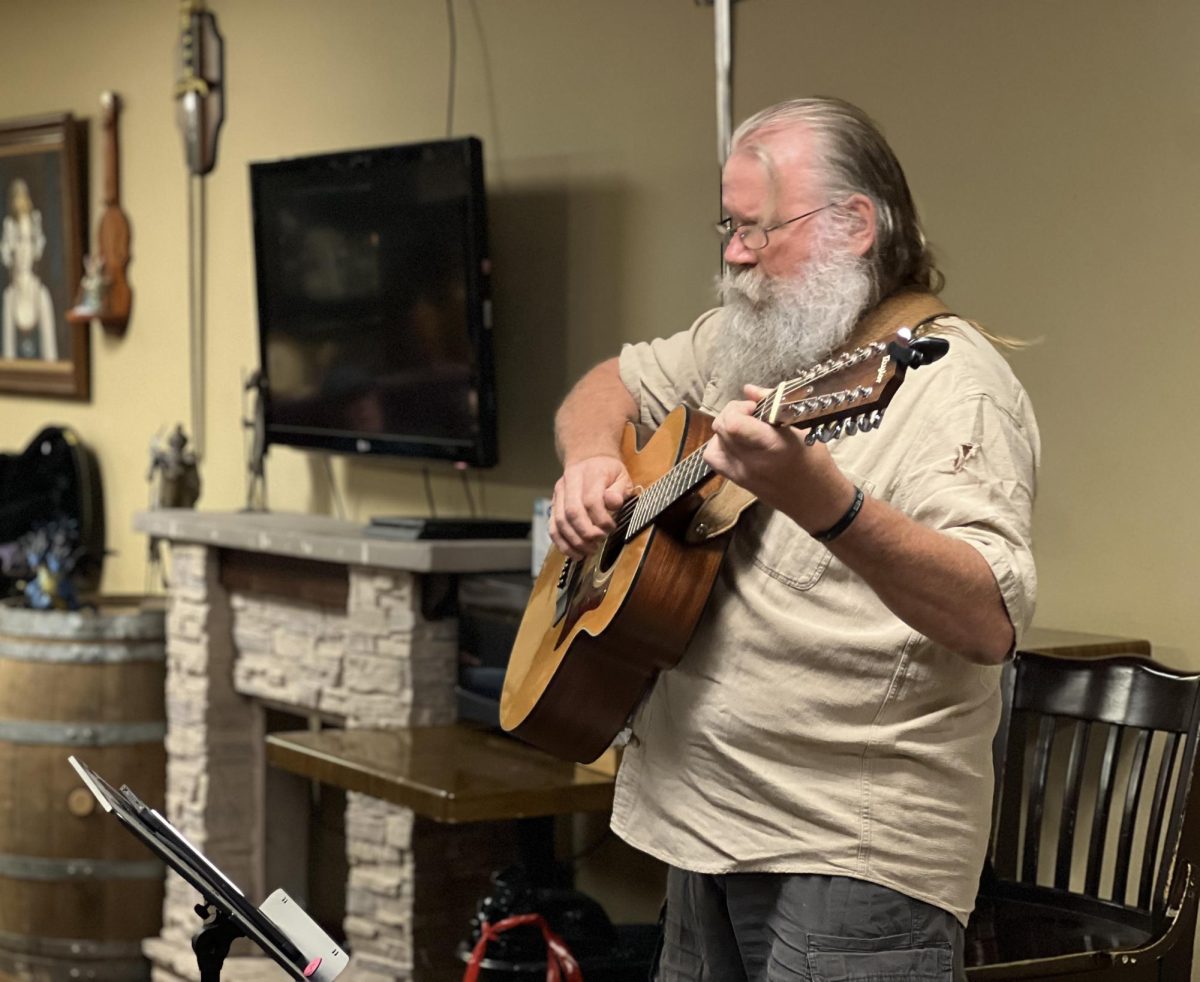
(302, 619)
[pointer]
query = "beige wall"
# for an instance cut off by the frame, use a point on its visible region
(1050, 144)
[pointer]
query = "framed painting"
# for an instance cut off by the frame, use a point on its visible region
(42, 179)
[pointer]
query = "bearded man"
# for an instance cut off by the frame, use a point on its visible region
(816, 772)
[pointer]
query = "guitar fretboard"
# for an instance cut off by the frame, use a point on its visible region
(684, 477)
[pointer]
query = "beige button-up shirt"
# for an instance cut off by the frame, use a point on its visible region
(807, 729)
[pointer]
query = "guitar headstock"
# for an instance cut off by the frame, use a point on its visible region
(849, 393)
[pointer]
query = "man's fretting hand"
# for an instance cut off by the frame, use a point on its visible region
(774, 464)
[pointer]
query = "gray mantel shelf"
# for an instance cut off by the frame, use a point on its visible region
(332, 540)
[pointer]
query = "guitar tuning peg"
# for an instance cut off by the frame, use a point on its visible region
(813, 435)
(850, 426)
(831, 432)
(863, 420)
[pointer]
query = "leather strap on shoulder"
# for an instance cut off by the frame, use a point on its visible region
(913, 309)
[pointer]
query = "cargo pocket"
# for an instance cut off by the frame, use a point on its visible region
(885, 959)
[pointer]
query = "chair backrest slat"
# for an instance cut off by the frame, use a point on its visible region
(1006, 826)
(1037, 798)
(1158, 808)
(1073, 784)
(1106, 782)
(1133, 797)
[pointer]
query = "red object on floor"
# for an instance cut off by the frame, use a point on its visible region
(561, 965)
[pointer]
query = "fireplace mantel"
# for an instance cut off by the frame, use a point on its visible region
(309, 616)
(333, 540)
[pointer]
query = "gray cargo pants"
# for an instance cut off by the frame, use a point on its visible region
(779, 927)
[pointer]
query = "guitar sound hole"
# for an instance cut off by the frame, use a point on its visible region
(610, 551)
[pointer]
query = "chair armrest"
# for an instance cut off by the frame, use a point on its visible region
(1178, 928)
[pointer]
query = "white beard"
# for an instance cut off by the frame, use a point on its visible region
(774, 328)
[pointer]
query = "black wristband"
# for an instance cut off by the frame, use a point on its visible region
(843, 523)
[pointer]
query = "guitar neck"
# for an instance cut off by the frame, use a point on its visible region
(680, 480)
(842, 396)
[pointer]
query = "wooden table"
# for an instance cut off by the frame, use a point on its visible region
(457, 773)
(1080, 644)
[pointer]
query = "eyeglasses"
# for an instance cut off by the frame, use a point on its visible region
(753, 235)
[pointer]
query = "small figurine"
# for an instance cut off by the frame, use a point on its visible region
(91, 287)
(93, 291)
(178, 476)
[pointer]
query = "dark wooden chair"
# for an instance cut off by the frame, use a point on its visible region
(1096, 827)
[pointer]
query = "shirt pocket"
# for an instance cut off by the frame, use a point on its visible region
(893, 957)
(780, 548)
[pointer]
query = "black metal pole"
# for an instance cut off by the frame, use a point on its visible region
(212, 940)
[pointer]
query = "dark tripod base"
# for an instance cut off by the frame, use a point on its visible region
(212, 940)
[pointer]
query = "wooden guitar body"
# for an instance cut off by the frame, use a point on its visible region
(587, 649)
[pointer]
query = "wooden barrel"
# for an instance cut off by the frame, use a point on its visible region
(77, 891)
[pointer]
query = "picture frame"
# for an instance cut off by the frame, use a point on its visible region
(42, 180)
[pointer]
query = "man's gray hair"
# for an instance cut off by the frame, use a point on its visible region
(854, 158)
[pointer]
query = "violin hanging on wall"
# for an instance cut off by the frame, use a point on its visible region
(104, 292)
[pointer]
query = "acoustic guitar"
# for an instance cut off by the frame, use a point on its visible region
(597, 631)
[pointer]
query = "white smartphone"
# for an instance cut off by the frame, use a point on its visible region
(307, 935)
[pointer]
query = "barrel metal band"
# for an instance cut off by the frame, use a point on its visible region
(40, 868)
(73, 970)
(82, 652)
(69, 947)
(81, 625)
(81, 734)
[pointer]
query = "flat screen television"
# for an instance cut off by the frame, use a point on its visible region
(373, 304)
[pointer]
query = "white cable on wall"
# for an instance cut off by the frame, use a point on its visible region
(196, 322)
(723, 31)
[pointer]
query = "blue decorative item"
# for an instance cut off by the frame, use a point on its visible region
(51, 553)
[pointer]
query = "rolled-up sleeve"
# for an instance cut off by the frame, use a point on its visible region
(973, 475)
(668, 372)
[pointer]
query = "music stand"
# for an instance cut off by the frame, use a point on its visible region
(297, 945)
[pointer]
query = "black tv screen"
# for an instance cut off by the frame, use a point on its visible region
(373, 306)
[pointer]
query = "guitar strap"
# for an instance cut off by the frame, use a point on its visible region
(913, 309)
